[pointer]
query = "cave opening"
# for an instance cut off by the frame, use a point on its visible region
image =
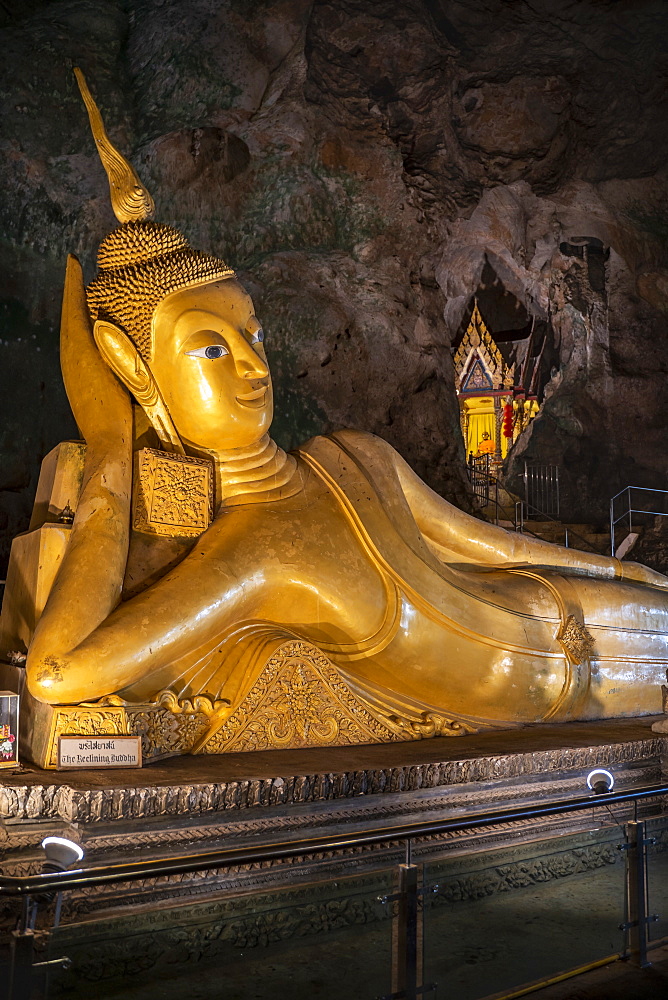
(525, 340)
(505, 355)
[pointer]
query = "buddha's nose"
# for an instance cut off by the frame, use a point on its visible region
(249, 365)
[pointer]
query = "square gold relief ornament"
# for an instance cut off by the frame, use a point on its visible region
(173, 494)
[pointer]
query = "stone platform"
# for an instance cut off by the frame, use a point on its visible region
(273, 795)
(191, 804)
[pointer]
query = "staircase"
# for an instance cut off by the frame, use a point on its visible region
(586, 537)
(631, 511)
(508, 511)
(538, 514)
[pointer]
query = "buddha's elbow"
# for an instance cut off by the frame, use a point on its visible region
(48, 681)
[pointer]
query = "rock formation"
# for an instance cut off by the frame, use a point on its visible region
(366, 167)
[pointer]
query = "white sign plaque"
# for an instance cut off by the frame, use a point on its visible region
(99, 751)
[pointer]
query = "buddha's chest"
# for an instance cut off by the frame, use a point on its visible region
(303, 563)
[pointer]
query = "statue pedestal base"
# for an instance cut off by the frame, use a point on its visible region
(188, 804)
(293, 697)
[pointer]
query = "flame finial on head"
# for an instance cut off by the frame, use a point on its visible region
(130, 200)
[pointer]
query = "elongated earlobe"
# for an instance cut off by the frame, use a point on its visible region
(128, 365)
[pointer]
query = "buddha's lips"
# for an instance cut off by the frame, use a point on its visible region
(255, 398)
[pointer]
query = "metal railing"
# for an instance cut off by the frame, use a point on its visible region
(486, 486)
(626, 499)
(480, 478)
(541, 489)
(486, 491)
(523, 513)
(407, 958)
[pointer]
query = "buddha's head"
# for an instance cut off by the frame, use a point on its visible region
(180, 332)
(175, 325)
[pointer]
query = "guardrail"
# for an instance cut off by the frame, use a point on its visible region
(36, 889)
(629, 492)
(541, 489)
(486, 486)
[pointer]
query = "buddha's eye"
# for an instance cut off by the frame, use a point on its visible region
(211, 352)
(254, 331)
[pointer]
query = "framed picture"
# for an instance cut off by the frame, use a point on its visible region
(9, 729)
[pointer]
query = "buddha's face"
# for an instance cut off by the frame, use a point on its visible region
(209, 364)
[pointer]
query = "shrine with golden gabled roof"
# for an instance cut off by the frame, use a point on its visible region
(494, 410)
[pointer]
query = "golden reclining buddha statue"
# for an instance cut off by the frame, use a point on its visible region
(214, 593)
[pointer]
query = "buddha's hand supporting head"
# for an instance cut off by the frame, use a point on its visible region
(180, 332)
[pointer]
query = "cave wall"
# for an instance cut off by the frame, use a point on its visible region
(358, 163)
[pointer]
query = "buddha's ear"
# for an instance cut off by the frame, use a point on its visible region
(127, 363)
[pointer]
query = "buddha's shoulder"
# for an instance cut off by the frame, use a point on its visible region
(365, 448)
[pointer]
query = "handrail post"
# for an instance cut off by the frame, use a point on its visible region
(637, 919)
(405, 958)
(21, 947)
(526, 482)
(612, 527)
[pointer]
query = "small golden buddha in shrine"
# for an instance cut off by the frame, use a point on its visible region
(248, 598)
(486, 446)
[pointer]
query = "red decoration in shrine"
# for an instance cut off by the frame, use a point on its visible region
(508, 420)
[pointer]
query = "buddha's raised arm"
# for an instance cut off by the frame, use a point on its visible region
(190, 352)
(88, 584)
(205, 345)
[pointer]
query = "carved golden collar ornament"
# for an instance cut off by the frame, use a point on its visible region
(174, 494)
(261, 472)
